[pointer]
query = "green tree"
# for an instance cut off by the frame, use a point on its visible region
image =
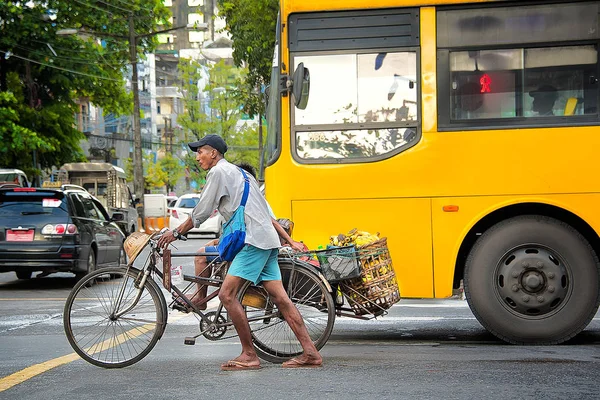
(42, 73)
(252, 25)
(217, 109)
(155, 178)
(172, 169)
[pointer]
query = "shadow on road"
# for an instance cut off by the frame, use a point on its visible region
(62, 281)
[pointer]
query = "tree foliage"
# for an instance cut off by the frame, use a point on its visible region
(252, 25)
(214, 107)
(172, 169)
(42, 74)
(158, 175)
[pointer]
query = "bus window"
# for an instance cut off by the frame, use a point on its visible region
(376, 87)
(352, 144)
(484, 83)
(536, 82)
(556, 74)
(366, 104)
(331, 101)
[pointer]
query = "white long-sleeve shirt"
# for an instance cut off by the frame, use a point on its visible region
(223, 191)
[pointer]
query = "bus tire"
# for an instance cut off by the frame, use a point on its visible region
(533, 280)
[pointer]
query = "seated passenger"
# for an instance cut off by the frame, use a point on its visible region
(543, 100)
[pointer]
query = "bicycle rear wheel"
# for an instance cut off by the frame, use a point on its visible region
(272, 337)
(94, 327)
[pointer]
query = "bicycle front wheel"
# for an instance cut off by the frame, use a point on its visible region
(105, 324)
(272, 337)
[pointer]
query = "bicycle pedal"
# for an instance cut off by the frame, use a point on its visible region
(190, 341)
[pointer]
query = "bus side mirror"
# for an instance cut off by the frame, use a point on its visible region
(301, 88)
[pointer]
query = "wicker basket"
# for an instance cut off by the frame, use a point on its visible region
(376, 289)
(134, 244)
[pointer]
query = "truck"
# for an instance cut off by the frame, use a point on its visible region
(108, 184)
(13, 177)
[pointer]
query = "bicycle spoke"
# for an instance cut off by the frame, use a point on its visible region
(272, 337)
(96, 330)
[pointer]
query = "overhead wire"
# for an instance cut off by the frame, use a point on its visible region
(71, 59)
(73, 50)
(61, 68)
(93, 6)
(115, 6)
(135, 5)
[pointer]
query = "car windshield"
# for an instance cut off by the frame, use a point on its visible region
(32, 203)
(189, 203)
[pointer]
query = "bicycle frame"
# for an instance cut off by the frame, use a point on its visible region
(150, 267)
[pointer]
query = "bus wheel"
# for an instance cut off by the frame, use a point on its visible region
(533, 279)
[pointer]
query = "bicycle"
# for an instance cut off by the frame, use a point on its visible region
(114, 316)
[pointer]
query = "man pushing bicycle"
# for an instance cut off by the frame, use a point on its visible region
(256, 262)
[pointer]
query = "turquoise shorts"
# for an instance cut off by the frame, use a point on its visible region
(256, 265)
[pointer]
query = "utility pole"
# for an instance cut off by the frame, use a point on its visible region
(138, 162)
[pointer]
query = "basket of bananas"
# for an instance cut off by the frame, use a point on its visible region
(376, 289)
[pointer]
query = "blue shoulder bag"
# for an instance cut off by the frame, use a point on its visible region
(233, 237)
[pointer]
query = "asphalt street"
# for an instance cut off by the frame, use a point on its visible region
(422, 349)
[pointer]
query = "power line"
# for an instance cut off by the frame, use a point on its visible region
(73, 50)
(112, 5)
(93, 6)
(134, 5)
(72, 59)
(62, 69)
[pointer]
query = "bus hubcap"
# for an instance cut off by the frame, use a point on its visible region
(532, 280)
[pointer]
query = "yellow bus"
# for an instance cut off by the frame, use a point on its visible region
(466, 132)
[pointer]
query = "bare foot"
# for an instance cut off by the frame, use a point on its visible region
(195, 300)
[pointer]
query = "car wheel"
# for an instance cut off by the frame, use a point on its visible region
(533, 280)
(23, 274)
(122, 258)
(91, 265)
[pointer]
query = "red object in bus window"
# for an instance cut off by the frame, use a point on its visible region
(485, 82)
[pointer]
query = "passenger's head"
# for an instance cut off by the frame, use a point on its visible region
(543, 99)
(248, 168)
(209, 150)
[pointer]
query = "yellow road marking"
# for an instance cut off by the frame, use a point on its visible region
(27, 373)
(21, 376)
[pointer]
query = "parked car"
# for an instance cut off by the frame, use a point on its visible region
(57, 230)
(170, 204)
(182, 210)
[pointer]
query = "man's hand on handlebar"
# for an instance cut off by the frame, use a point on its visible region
(297, 246)
(167, 238)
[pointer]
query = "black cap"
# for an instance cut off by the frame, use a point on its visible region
(214, 141)
(545, 90)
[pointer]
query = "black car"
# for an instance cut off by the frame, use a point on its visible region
(56, 230)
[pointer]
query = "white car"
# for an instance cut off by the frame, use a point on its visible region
(183, 209)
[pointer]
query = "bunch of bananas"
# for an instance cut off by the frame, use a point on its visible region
(354, 237)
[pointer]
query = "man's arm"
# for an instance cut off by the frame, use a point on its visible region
(169, 236)
(298, 246)
(205, 207)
